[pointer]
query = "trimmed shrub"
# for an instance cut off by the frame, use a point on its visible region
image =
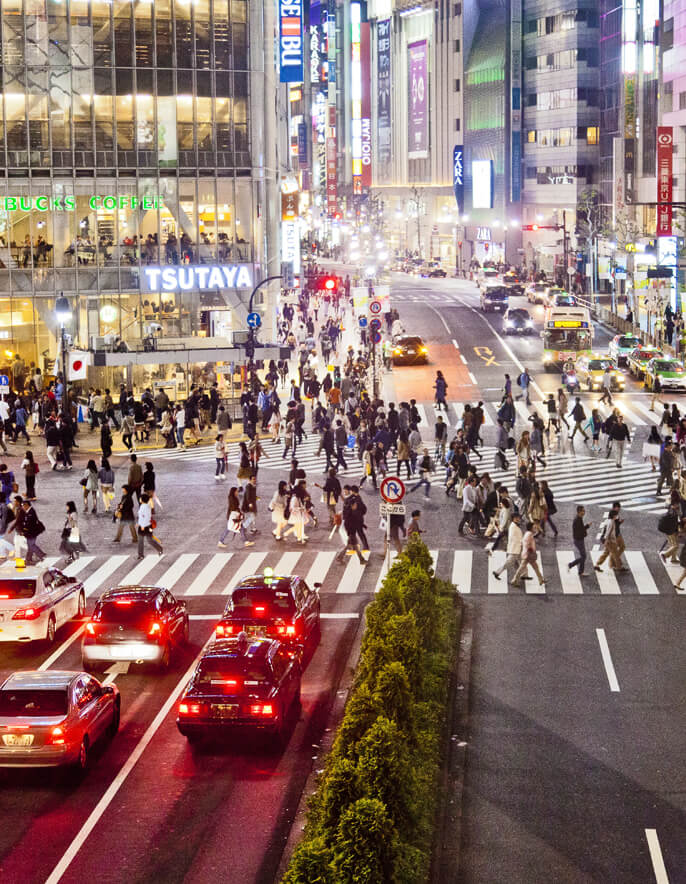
(311, 863)
(364, 844)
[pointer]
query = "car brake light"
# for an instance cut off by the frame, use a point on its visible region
(190, 708)
(155, 629)
(57, 736)
(223, 629)
(123, 602)
(262, 709)
(90, 628)
(291, 630)
(26, 614)
(259, 609)
(4, 596)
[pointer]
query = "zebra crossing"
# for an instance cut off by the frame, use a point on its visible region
(198, 575)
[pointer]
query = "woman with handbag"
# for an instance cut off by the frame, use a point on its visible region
(528, 558)
(30, 468)
(71, 543)
(124, 515)
(106, 479)
(90, 486)
(234, 520)
(244, 466)
(277, 507)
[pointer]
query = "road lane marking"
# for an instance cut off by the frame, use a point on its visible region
(495, 562)
(287, 563)
(656, 857)
(641, 574)
(422, 415)
(139, 571)
(320, 568)
(464, 361)
(472, 378)
(533, 587)
(455, 344)
(209, 574)
(385, 568)
(607, 660)
(47, 663)
(462, 570)
(352, 575)
(79, 565)
(570, 580)
(122, 775)
(172, 575)
(607, 582)
(90, 584)
(247, 568)
(120, 668)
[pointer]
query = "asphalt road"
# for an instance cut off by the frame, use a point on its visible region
(166, 813)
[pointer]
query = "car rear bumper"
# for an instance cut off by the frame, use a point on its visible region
(122, 652)
(41, 756)
(23, 630)
(209, 726)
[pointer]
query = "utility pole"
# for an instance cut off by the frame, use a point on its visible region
(565, 259)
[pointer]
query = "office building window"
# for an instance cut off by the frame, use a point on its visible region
(457, 9)
(591, 135)
(457, 124)
(682, 100)
(457, 45)
(667, 41)
(457, 85)
(531, 136)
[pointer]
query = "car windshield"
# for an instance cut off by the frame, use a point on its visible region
(667, 365)
(123, 611)
(17, 589)
(540, 287)
(599, 364)
(628, 342)
(230, 672)
(518, 314)
(498, 294)
(277, 598)
(409, 342)
(33, 703)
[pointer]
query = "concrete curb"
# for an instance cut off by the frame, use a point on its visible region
(334, 719)
(446, 857)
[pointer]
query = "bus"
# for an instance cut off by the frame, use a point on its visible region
(567, 334)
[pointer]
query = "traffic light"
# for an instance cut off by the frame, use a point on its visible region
(530, 227)
(327, 283)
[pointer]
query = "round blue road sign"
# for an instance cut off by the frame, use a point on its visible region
(375, 324)
(363, 321)
(377, 337)
(254, 320)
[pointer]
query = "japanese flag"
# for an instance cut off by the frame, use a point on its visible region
(78, 362)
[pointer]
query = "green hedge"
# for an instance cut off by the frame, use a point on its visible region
(371, 819)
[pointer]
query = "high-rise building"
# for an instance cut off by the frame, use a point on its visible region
(138, 155)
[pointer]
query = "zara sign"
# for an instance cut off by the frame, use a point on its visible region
(184, 277)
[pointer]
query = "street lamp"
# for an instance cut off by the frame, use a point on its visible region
(63, 315)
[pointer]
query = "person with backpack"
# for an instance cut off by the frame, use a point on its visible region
(669, 524)
(506, 413)
(579, 415)
(667, 467)
(8, 484)
(426, 468)
(352, 522)
(31, 528)
(523, 381)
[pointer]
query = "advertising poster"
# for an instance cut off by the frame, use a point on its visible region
(291, 41)
(665, 140)
(366, 68)
(383, 96)
(418, 100)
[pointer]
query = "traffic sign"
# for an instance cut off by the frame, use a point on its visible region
(392, 509)
(254, 320)
(375, 307)
(363, 321)
(376, 337)
(392, 489)
(4, 380)
(375, 324)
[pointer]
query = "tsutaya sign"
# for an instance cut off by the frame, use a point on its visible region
(184, 277)
(68, 203)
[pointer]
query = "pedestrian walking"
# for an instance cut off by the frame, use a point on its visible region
(667, 467)
(523, 382)
(426, 468)
(128, 428)
(470, 510)
(606, 384)
(441, 388)
(70, 543)
(529, 558)
(298, 517)
(682, 562)
(413, 529)
(514, 547)
(277, 507)
(249, 506)
(579, 532)
(396, 527)
(610, 547)
(90, 482)
(353, 522)
(106, 439)
(106, 480)
(124, 515)
(135, 477)
(31, 470)
(550, 507)
(146, 527)
(619, 434)
(220, 457)
(669, 524)
(595, 425)
(31, 529)
(341, 439)
(150, 486)
(579, 415)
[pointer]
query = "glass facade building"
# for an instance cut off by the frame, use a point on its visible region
(126, 140)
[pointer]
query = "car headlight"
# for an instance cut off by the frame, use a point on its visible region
(509, 323)
(397, 351)
(529, 323)
(423, 350)
(547, 357)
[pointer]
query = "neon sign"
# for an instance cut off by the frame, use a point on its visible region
(185, 277)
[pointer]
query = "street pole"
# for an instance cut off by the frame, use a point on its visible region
(250, 348)
(565, 259)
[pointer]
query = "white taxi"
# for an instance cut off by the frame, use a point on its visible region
(36, 600)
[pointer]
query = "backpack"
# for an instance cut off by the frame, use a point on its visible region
(666, 524)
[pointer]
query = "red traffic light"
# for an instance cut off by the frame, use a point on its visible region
(329, 283)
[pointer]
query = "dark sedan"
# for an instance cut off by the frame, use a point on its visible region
(517, 321)
(409, 350)
(137, 624)
(241, 683)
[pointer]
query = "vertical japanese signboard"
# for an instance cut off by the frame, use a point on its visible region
(665, 140)
(331, 177)
(291, 41)
(366, 119)
(516, 101)
(383, 95)
(418, 101)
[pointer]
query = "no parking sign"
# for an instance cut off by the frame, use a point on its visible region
(375, 307)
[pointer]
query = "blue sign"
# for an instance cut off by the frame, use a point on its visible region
(302, 144)
(375, 324)
(291, 50)
(254, 320)
(376, 337)
(363, 321)
(458, 176)
(4, 380)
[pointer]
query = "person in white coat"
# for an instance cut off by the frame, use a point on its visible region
(528, 558)
(277, 505)
(514, 547)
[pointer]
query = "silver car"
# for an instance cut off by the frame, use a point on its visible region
(53, 718)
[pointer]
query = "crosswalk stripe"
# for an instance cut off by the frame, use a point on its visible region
(79, 565)
(423, 421)
(639, 568)
(351, 576)
(384, 569)
(90, 584)
(287, 563)
(320, 568)
(673, 570)
(174, 573)
(496, 562)
(629, 412)
(522, 411)
(203, 582)
(250, 565)
(570, 580)
(140, 570)
(462, 570)
(607, 582)
(640, 406)
(51, 561)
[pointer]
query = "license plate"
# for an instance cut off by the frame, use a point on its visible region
(412, 352)
(17, 739)
(225, 710)
(120, 654)
(255, 630)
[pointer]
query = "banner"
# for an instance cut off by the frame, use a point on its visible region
(418, 101)
(665, 139)
(458, 176)
(331, 176)
(383, 95)
(291, 41)
(366, 120)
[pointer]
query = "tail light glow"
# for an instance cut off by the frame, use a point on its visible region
(262, 709)
(123, 602)
(223, 629)
(190, 708)
(26, 614)
(90, 628)
(155, 629)
(260, 609)
(291, 629)
(57, 736)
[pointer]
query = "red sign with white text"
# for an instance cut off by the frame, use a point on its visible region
(665, 141)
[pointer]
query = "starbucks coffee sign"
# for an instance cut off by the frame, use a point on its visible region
(185, 277)
(68, 203)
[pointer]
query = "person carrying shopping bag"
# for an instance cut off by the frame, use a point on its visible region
(71, 544)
